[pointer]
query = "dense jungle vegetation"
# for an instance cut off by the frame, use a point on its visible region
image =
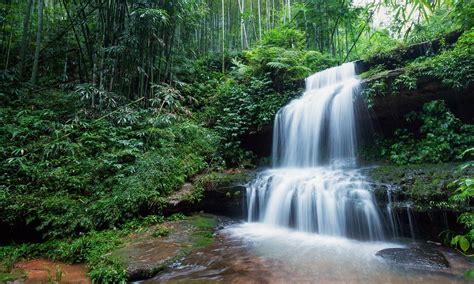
(108, 107)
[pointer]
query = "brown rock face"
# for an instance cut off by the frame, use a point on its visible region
(388, 111)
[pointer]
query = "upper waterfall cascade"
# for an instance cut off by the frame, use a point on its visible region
(319, 126)
(313, 186)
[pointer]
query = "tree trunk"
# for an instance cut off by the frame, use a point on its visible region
(8, 51)
(25, 36)
(39, 35)
(223, 37)
(259, 8)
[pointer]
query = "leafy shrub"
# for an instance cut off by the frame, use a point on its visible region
(443, 139)
(283, 66)
(380, 45)
(374, 89)
(285, 37)
(384, 86)
(161, 231)
(439, 24)
(455, 67)
(463, 196)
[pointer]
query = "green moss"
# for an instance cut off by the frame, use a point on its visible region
(215, 180)
(453, 66)
(204, 233)
(426, 185)
(203, 221)
(378, 70)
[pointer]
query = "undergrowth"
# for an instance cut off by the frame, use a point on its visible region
(66, 174)
(443, 138)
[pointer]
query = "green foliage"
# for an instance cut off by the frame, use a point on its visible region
(108, 271)
(169, 98)
(454, 67)
(66, 175)
(285, 37)
(261, 81)
(283, 64)
(176, 217)
(380, 45)
(443, 138)
(439, 24)
(373, 89)
(407, 81)
(380, 86)
(96, 97)
(463, 13)
(463, 195)
(161, 231)
(237, 106)
(89, 248)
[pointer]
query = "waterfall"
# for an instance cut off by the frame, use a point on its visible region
(314, 186)
(319, 126)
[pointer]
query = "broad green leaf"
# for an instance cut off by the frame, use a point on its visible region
(463, 243)
(454, 240)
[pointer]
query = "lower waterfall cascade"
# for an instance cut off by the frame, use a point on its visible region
(314, 186)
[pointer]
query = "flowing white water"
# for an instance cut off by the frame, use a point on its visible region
(312, 187)
(319, 127)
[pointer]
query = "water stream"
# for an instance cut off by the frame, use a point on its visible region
(261, 253)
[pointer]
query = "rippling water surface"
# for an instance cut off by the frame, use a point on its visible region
(256, 253)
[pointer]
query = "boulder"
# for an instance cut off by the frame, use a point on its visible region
(418, 258)
(146, 253)
(218, 193)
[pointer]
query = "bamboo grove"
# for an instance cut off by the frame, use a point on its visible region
(127, 46)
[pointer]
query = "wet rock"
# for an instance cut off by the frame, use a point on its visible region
(145, 254)
(423, 258)
(418, 192)
(416, 183)
(222, 194)
(146, 257)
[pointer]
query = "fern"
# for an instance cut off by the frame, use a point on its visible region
(278, 65)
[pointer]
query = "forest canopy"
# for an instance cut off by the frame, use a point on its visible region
(128, 46)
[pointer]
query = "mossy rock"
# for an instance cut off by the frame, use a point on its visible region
(427, 186)
(216, 192)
